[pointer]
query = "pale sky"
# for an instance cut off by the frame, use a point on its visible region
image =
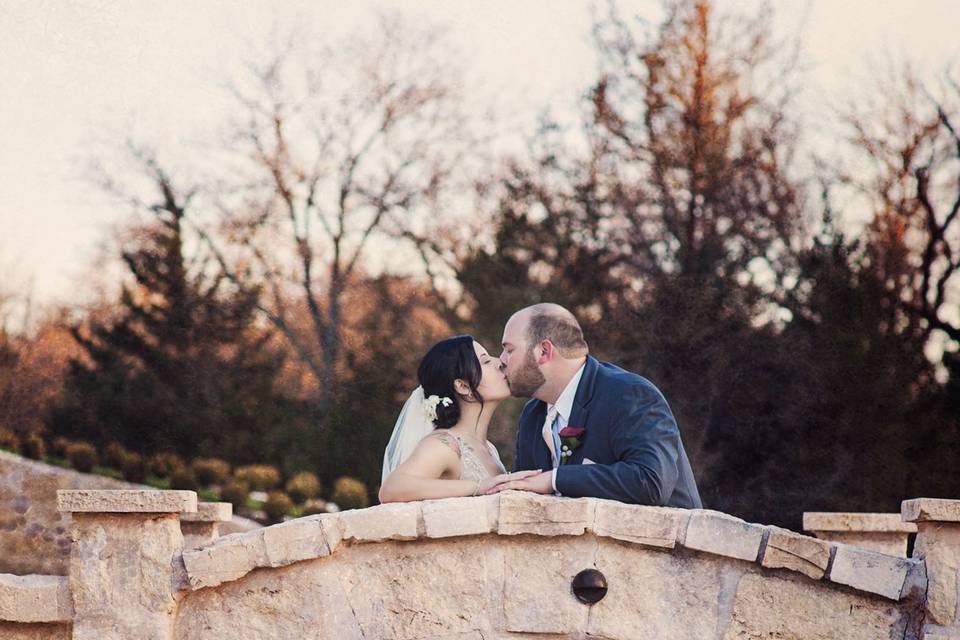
(78, 76)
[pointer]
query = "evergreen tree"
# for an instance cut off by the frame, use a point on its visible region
(183, 366)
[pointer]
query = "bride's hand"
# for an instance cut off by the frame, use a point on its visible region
(490, 483)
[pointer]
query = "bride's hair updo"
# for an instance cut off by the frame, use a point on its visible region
(448, 360)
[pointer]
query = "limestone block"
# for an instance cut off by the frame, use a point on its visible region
(788, 609)
(34, 631)
(871, 571)
(296, 540)
(122, 575)
(227, 559)
(537, 597)
(126, 501)
(883, 532)
(651, 526)
(524, 512)
(198, 534)
(434, 587)
(890, 543)
(941, 635)
(930, 510)
(461, 516)
(302, 600)
(35, 598)
(840, 521)
(239, 524)
(939, 546)
(209, 512)
(384, 522)
(789, 550)
(332, 530)
(656, 595)
(723, 535)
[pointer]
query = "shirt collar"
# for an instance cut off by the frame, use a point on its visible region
(564, 403)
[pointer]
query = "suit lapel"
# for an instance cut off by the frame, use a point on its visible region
(581, 401)
(541, 454)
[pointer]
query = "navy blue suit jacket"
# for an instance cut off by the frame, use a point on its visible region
(631, 436)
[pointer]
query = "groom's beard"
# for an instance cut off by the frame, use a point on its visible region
(528, 378)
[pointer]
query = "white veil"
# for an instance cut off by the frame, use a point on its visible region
(411, 427)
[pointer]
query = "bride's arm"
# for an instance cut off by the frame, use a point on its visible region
(420, 477)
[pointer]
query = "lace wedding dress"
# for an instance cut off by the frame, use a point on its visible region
(472, 465)
(413, 425)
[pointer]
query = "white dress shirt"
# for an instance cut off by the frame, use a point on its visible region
(564, 406)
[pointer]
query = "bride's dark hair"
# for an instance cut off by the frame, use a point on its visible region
(448, 360)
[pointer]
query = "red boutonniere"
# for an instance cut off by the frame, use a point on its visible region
(570, 439)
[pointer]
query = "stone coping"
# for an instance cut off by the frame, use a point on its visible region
(209, 512)
(517, 513)
(126, 501)
(856, 522)
(35, 598)
(930, 510)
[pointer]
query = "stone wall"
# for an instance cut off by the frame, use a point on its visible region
(34, 536)
(501, 567)
(481, 568)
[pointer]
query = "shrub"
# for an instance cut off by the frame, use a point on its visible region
(162, 465)
(115, 455)
(313, 507)
(32, 446)
(277, 505)
(211, 471)
(9, 440)
(184, 479)
(235, 492)
(303, 486)
(59, 446)
(82, 456)
(260, 477)
(349, 493)
(134, 467)
(207, 495)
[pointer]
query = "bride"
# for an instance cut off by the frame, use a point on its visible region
(439, 446)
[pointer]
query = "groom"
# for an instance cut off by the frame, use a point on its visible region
(602, 431)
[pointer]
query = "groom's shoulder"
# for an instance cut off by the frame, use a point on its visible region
(616, 381)
(529, 408)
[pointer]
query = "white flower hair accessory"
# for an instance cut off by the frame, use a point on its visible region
(430, 406)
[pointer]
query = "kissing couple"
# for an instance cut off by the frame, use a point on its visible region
(590, 428)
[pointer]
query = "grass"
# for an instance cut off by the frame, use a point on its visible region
(108, 472)
(208, 495)
(57, 462)
(157, 483)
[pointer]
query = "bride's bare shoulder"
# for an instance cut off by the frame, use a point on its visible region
(445, 438)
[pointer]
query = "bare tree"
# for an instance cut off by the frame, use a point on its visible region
(911, 145)
(340, 154)
(695, 140)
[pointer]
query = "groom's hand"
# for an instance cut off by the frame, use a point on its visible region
(539, 483)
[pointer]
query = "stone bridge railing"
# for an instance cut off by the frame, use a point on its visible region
(885, 532)
(474, 568)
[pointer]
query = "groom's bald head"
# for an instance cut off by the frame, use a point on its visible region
(543, 347)
(549, 321)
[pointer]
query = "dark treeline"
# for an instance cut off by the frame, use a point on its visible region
(809, 369)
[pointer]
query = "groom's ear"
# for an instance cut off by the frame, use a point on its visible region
(547, 352)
